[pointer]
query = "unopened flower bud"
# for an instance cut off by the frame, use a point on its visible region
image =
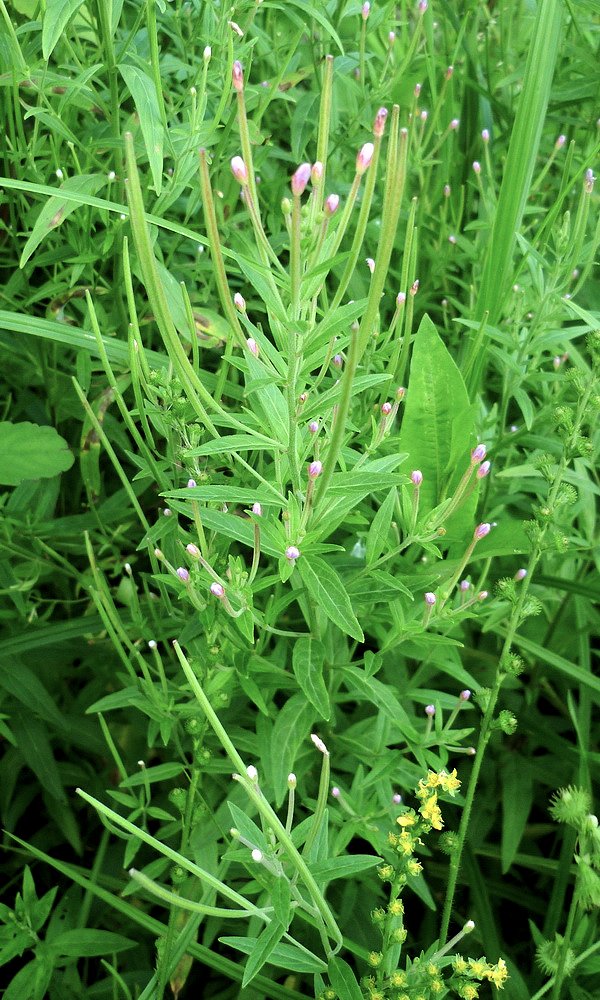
(315, 469)
(167, 512)
(237, 76)
(424, 115)
(386, 409)
(464, 585)
(365, 155)
(430, 710)
(400, 393)
(335, 792)
(316, 171)
(313, 426)
(300, 179)
(485, 135)
(418, 88)
(396, 798)
(239, 302)
(366, 10)
(291, 780)
(481, 531)
(193, 550)
(379, 123)
(338, 360)
(454, 124)
(481, 596)
(152, 644)
(430, 599)
(479, 453)
(588, 181)
(449, 72)
(238, 169)
(452, 239)
(520, 575)
(423, 5)
(465, 695)
(206, 55)
(414, 288)
(183, 574)
(391, 37)
(447, 190)
(400, 299)
(111, 175)
(302, 397)
(560, 141)
(292, 553)
(256, 855)
(252, 346)
(191, 484)
(477, 167)
(416, 477)
(252, 772)
(483, 470)
(331, 204)
(318, 742)
(217, 590)
(370, 264)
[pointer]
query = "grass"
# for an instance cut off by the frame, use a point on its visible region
(244, 525)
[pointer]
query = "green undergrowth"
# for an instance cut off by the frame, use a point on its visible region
(300, 341)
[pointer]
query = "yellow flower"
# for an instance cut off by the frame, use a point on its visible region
(459, 965)
(469, 992)
(375, 958)
(436, 986)
(449, 782)
(406, 843)
(406, 819)
(478, 967)
(414, 867)
(396, 908)
(398, 979)
(430, 811)
(498, 974)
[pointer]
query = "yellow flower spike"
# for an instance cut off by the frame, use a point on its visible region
(450, 783)
(478, 967)
(396, 908)
(436, 986)
(398, 979)
(498, 974)
(407, 819)
(406, 844)
(459, 965)
(430, 811)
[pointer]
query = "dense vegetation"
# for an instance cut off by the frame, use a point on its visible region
(300, 346)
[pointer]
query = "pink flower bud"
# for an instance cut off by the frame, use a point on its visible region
(416, 477)
(400, 299)
(292, 553)
(335, 792)
(386, 409)
(300, 179)
(465, 695)
(302, 397)
(397, 798)
(318, 742)
(588, 182)
(485, 135)
(365, 155)
(400, 393)
(477, 167)
(183, 574)
(452, 239)
(239, 302)
(481, 531)
(430, 599)
(392, 37)
(217, 590)
(338, 360)
(449, 72)
(414, 288)
(370, 264)
(520, 575)
(313, 426)
(560, 141)
(464, 585)
(366, 10)
(315, 469)
(316, 171)
(483, 470)
(237, 76)
(430, 711)
(418, 88)
(379, 123)
(257, 509)
(331, 204)
(193, 550)
(423, 5)
(424, 115)
(447, 190)
(191, 484)
(454, 124)
(238, 169)
(479, 453)
(252, 346)
(481, 596)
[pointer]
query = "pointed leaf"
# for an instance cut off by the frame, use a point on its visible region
(263, 947)
(307, 662)
(57, 209)
(143, 91)
(343, 980)
(57, 15)
(329, 593)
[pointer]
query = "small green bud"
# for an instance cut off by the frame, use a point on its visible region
(178, 796)
(386, 873)
(507, 722)
(193, 727)
(448, 842)
(378, 915)
(178, 875)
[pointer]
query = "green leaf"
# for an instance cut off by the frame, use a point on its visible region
(261, 952)
(332, 868)
(23, 684)
(517, 796)
(281, 895)
(28, 451)
(328, 592)
(343, 980)
(229, 443)
(307, 662)
(283, 956)
(380, 528)
(292, 726)
(57, 15)
(432, 433)
(35, 747)
(57, 209)
(248, 829)
(380, 695)
(83, 943)
(31, 982)
(143, 91)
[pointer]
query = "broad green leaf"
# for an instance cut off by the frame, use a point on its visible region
(57, 209)
(328, 593)
(343, 980)
(517, 796)
(28, 451)
(31, 982)
(261, 952)
(381, 695)
(332, 868)
(248, 829)
(23, 684)
(432, 433)
(57, 14)
(35, 747)
(82, 943)
(143, 91)
(281, 896)
(307, 662)
(292, 726)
